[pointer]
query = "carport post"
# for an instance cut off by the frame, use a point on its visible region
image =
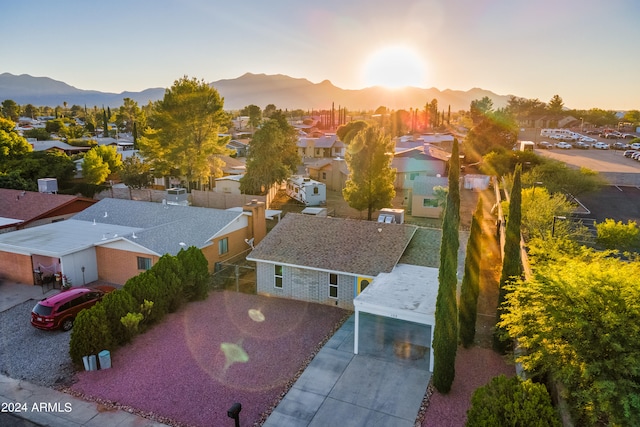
(355, 332)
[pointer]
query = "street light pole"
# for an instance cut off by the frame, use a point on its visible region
(553, 224)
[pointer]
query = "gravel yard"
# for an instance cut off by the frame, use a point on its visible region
(27, 353)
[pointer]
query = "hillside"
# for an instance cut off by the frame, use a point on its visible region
(259, 89)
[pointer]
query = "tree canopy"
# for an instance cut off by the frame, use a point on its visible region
(184, 131)
(371, 178)
(272, 156)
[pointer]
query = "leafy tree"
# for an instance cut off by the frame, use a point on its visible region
(37, 133)
(54, 126)
(470, 288)
(12, 145)
(128, 115)
(559, 178)
(491, 131)
(511, 402)
(445, 334)
(480, 108)
(43, 164)
(269, 110)
(632, 116)
(371, 178)
(254, 113)
(272, 157)
(135, 173)
(186, 124)
(512, 262)
(94, 168)
(501, 162)
(616, 235)
(30, 111)
(10, 110)
(348, 131)
(538, 209)
(577, 322)
(14, 181)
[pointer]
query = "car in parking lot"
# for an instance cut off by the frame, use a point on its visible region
(582, 145)
(619, 145)
(636, 156)
(629, 153)
(563, 145)
(601, 146)
(60, 310)
(635, 146)
(588, 139)
(545, 144)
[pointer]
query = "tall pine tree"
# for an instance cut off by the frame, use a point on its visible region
(512, 262)
(471, 280)
(445, 336)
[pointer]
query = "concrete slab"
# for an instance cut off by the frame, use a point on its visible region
(382, 386)
(12, 294)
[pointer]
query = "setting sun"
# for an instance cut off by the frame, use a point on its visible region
(395, 67)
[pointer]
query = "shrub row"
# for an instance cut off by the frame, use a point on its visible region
(145, 299)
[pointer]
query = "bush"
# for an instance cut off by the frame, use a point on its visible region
(117, 304)
(616, 235)
(195, 268)
(511, 402)
(90, 334)
(169, 274)
(143, 287)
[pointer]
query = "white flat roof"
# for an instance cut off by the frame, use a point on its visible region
(408, 292)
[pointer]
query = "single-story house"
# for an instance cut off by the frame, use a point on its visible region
(326, 260)
(323, 146)
(115, 239)
(229, 184)
(332, 172)
(423, 202)
(23, 209)
(413, 163)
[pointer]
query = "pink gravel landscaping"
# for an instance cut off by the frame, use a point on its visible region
(232, 347)
(475, 367)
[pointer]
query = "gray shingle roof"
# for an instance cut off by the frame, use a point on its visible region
(335, 244)
(162, 227)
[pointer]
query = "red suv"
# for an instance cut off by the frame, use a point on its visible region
(59, 311)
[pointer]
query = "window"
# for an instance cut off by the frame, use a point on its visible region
(315, 190)
(223, 246)
(430, 203)
(278, 276)
(413, 175)
(144, 263)
(333, 285)
(324, 175)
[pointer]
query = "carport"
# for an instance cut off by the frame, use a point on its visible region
(407, 293)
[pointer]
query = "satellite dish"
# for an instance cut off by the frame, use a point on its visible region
(249, 242)
(106, 214)
(133, 235)
(182, 244)
(94, 221)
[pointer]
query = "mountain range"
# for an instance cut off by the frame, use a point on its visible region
(259, 89)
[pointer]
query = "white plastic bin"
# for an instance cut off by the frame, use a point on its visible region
(105, 359)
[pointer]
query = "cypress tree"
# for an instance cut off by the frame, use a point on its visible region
(105, 123)
(445, 336)
(471, 280)
(512, 262)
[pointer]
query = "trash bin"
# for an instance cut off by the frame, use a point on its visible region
(105, 359)
(92, 363)
(85, 361)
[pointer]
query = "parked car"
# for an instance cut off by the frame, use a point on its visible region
(636, 156)
(582, 145)
(601, 146)
(635, 146)
(563, 145)
(619, 146)
(545, 144)
(629, 153)
(588, 139)
(60, 310)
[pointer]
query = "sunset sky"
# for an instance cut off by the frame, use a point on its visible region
(586, 51)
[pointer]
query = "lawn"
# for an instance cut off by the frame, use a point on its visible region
(232, 347)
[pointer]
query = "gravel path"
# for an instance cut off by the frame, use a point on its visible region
(27, 353)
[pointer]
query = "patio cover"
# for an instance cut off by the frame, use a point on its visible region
(407, 293)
